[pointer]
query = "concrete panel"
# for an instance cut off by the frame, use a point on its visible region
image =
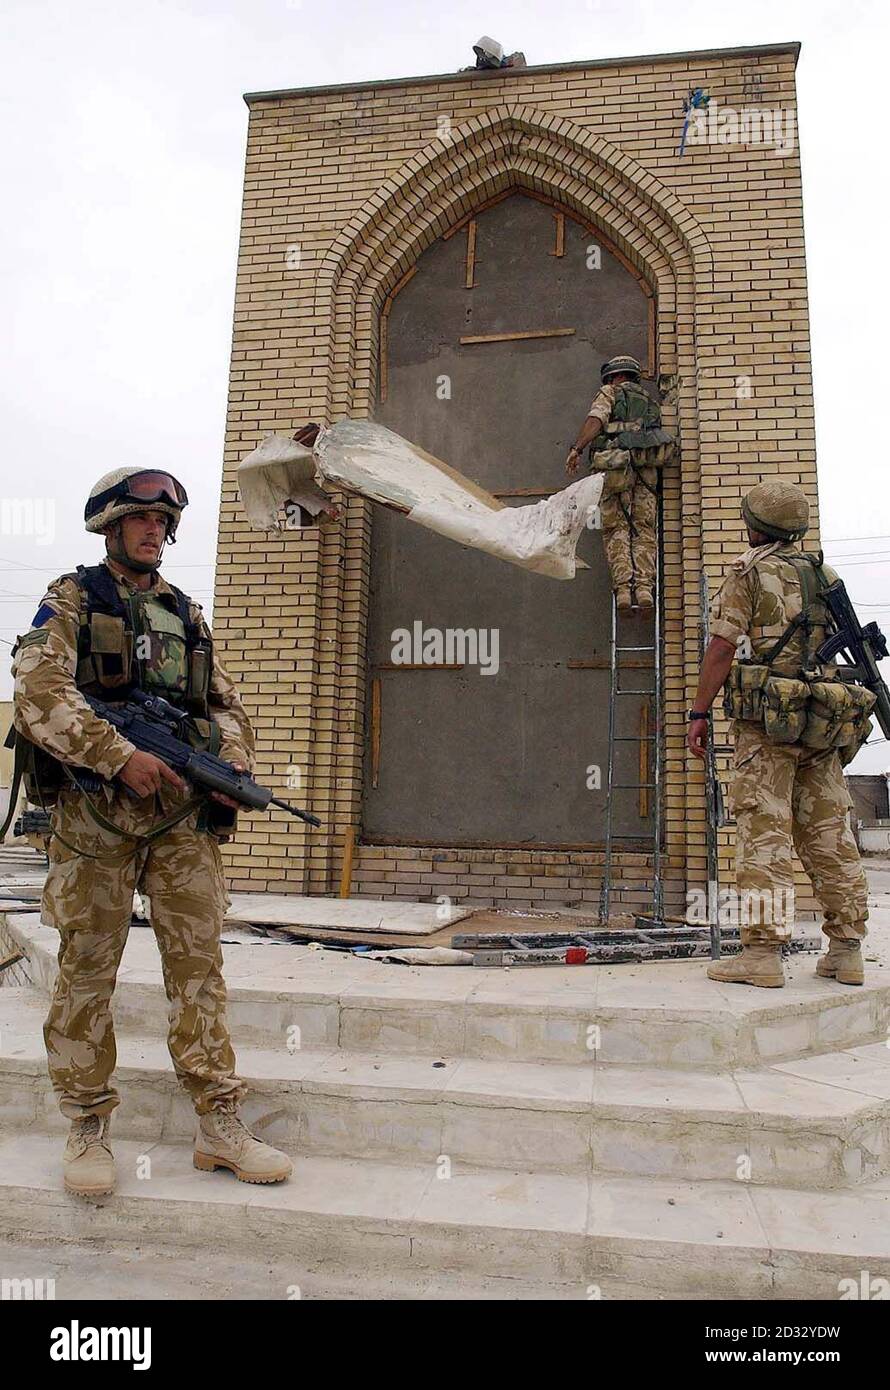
(499, 758)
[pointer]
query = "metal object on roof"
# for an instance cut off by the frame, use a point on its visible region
(696, 55)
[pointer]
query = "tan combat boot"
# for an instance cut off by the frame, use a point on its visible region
(760, 964)
(623, 599)
(88, 1161)
(224, 1142)
(843, 962)
(645, 598)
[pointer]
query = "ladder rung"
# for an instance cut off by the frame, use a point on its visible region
(635, 649)
(634, 738)
(631, 786)
(635, 692)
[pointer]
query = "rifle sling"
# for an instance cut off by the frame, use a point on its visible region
(18, 768)
(812, 581)
(162, 825)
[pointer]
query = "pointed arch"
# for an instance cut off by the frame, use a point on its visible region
(511, 148)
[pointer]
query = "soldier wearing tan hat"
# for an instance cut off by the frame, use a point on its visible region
(788, 791)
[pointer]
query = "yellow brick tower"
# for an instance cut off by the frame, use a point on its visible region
(373, 212)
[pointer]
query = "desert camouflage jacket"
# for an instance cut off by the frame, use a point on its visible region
(759, 597)
(51, 712)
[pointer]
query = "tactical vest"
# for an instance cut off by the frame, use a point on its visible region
(634, 426)
(812, 706)
(147, 642)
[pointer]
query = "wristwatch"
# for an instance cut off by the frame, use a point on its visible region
(698, 714)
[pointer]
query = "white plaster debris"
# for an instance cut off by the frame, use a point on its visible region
(346, 914)
(366, 458)
(279, 471)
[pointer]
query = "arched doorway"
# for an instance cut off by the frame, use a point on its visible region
(490, 357)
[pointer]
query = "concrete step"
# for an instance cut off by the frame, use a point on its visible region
(110, 1270)
(665, 1016)
(586, 1237)
(824, 1125)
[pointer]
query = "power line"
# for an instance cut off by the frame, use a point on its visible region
(842, 540)
(34, 598)
(849, 564)
(857, 555)
(53, 569)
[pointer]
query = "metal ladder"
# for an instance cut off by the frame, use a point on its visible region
(616, 650)
(716, 817)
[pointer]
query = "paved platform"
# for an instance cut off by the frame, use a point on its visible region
(635, 1130)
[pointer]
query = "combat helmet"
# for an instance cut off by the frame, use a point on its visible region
(778, 510)
(624, 364)
(127, 490)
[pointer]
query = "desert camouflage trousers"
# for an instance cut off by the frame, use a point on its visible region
(90, 902)
(788, 797)
(629, 515)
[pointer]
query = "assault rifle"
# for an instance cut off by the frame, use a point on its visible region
(861, 647)
(155, 726)
(32, 823)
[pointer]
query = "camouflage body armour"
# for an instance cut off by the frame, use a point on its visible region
(146, 638)
(634, 427)
(782, 685)
(98, 644)
(786, 794)
(629, 450)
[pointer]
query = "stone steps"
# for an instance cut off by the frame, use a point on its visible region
(581, 1237)
(714, 1142)
(108, 1269)
(550, 1014)
(827, 1127)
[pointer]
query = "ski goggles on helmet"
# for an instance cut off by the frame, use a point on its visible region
(146, 487)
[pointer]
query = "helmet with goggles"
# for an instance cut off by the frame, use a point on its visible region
(128, 490)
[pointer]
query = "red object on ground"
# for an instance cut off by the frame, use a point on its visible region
(576, 955)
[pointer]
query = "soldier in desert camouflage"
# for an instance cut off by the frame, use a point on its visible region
(787, 795)
(628, 445)
(102, 631)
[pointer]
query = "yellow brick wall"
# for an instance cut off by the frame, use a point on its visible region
(344, 188)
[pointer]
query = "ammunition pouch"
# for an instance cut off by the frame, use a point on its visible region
(618, 468)
(817, 713)
(651, 448)
(628, 451)
(837, 715)
(105, 651)
(847, 752)
(609, 459)
(743, 692)
(784, 709)
(42, 775)
(779, 703)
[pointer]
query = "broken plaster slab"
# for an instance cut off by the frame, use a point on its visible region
(346, 914)
(365, 458)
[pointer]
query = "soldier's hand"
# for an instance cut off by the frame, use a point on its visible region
(572, 461)
(697, 737)
(145, 774)
(227, 800)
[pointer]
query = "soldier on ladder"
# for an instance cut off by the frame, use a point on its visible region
(628, 444)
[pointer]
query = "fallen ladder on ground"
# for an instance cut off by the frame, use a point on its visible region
(599, 946)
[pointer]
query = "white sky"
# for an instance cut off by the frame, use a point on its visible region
(124, 148)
